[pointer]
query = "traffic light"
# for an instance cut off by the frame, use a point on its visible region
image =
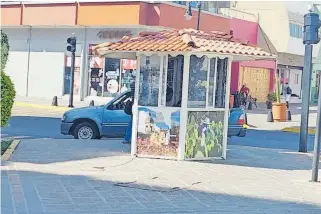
(311, 28)
(71, 47)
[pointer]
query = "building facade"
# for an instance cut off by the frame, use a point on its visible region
(39, 64)
(287, 38)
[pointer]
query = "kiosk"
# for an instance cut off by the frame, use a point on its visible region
(181, 104)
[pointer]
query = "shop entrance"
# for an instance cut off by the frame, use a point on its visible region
(257, 80)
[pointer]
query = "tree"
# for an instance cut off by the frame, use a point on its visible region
(8, 92)
(4, 50)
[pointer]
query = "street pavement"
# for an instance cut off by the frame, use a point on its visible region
(99, 176)
(31, 123)
(48, 174)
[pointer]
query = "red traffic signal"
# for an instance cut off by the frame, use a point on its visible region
(71, 44)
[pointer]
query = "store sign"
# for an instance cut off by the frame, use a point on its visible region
(112, 74)
(112, 86)
(96, 62)
(113, 34)
(129, 64)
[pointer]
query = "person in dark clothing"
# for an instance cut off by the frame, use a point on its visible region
(128, 110)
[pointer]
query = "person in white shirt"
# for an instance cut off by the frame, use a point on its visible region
(287, 93)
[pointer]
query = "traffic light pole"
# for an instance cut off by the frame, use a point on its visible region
(71, 97)
(306, 83)
(317, 142)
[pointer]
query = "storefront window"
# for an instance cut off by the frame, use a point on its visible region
(111, 77)
(221, 77)
(149, 80)
(197, 82)
(108, 76)
(96, 76)
(128, 74)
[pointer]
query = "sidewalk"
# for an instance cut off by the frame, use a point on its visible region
(43, 103)
(70, 176)
(257, 118)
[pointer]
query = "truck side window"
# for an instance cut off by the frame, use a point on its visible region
(120, 103)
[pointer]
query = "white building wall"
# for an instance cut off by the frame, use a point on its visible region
(45, 76)
(296, 46)
(17, 65)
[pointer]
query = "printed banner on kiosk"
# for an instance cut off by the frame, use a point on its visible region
(158, 132)
(204, 137)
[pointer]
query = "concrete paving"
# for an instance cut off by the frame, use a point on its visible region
(257, 118)
(74, 176)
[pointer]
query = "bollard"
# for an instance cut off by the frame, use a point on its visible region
(54, 101)
(270, 117)
(288, 115)
(92, 103)
(245, 119)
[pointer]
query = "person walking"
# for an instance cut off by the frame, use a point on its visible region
(128, 110)
(288, 93)
(245, 93)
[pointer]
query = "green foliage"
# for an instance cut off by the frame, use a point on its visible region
(213, 139)
(5, 145)
(7, 88)
(277, 90)
(272, 97)
(7, 98)
(4, 50)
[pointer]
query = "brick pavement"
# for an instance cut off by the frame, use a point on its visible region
(70, 176)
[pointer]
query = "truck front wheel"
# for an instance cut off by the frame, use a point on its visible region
(85, 131)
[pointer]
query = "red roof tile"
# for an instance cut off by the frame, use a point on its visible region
(182, 40)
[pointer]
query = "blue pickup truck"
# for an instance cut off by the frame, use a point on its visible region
(110, 120)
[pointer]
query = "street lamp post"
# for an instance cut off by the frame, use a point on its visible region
(311, 36)
(188, 14)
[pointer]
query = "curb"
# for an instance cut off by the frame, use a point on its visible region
(56, 108)
(10, 150)
(297, 130)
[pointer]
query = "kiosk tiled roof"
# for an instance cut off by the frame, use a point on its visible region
(182, 41)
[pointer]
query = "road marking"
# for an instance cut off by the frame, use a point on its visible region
(297, 130)
(56, 108)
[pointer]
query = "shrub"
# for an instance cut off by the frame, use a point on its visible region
(272, 97)
(7, 89)
(4, 50)
(7, 98)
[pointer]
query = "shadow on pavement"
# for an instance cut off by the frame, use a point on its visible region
(53, 151)
(52, 193)
(271, 140)
(266, 158)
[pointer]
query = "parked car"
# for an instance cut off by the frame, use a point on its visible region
(110, 120)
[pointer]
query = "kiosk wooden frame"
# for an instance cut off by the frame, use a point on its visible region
(196, 128)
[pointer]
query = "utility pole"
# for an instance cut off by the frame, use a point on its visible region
(188, 15)
(199, 5)
(71, 47)
(311, 26)
(317, 142)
